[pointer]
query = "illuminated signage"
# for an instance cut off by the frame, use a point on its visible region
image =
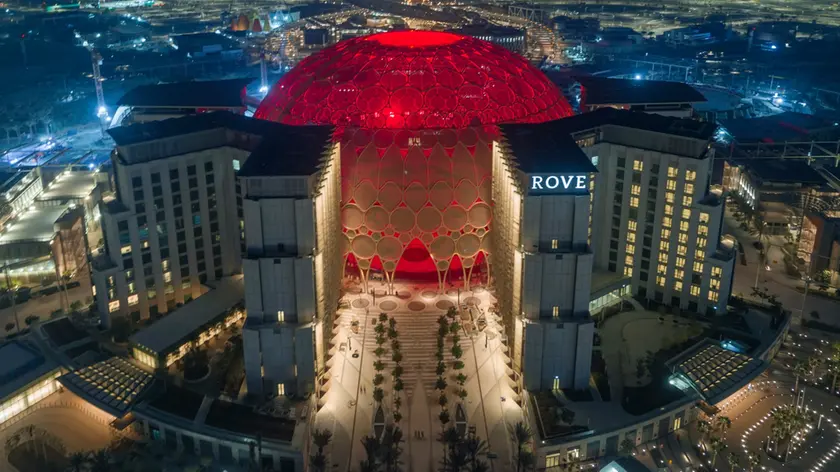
(558, 184)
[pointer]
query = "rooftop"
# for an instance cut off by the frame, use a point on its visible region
(196, 94)
(244, 420)
(638, 120)
(22, 364)
(488, 29)
(606, 91)
(72, 185)
(290, 151)
(787, 126)
(785, 171)
(8, 180)
(37, 224)
(113, 385)
(715, 372)
(546, 148)
(183, 322)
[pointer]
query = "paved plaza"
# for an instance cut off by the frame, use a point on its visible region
(348, 405)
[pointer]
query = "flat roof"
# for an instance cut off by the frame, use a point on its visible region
(684, 127)
(154, 130)
(785, 171)
(607, 91)
(22, 363)
(181, 323)
(787, 126)
(37, 224)
(546, 148)
(716, 372)
(194, 94)
(9, 178)
(290, 151)
(75, 185)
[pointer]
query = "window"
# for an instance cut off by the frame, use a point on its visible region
(714, 284)
(678, 274)
(660, 281)
(628, 271)
(701, 242)
(638, 165)
(113, 306)
(698, 267)
(236, 164)
(208, 167)
(669, 209)
(683, 225)
(661, 268)
(686, 201)
(681, 250)
(190, 170)
(631, 249)
(669, 197)
(713, 296)
(634, 202)
(663, 257)
(555, 311)
(631, 225)
(699, 255)
(554, 459)
(664, 246)
(125, 249)
(281, 389)
(666, 222)
(671, 184)
(631, 237)
(678, 286)
(635, 189)
(716, 271)
(672, 171)
(690, 175)
(680, 261)
(695, 290)
(133, 300)
(628, 260)
(703, 230)
(704, 217)
(689, 189)
(553, 244)
(683, 238)
(665, 233)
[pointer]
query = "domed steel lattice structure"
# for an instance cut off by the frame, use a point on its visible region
(415, 112)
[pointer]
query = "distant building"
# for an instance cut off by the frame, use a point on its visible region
(697, 35)
(788, 126)
(505, 36)
(585, 29)
(162, 101)
(771, 37)
(673, 99)
(207, 46)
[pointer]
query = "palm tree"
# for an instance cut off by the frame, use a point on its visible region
(371, 446)
(833, 368)
(13, 441)
(449, 437)
(474, 447)
(788, 421)
(627, 446)
(390, 448)
(101, 461)
(722, 424)
(521, 436)
(717, 446)
(813, 363)
(799, 370)
(733, 459)
(753, 460)
(77, 461)
(321, 438)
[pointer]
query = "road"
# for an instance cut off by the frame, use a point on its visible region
(45, 305)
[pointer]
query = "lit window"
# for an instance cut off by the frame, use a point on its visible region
(664, 246)
(665, 233)
(701, 242)
(680, 261)
(681, 250)
(672, 171)
(686, 201)
(689, 189)
(660, 281)
(669, 209)
(683, 238)
(663, 257)
(133, 299)
(631, 237)
(690, 175)
(715, 284)
(716, 271)
(638, 166)
(678, 286)
(671, 185)
(704, 217)
(702, 229)
(113, 306)
(236, 164)
(167, 276)
(631, 225)
(553, 244)
(125, 249)
(698, 267)
(628, 271)
(661, 268)
(666, 222)
(669, 197)
(628, 260)
(634, 202)
(695, 290)
(635, 189)
(631, 249)
(281, 316)
(713, 296)
(552, 460)
(683, 225)
(555, 311)
(699, 255)
(678, 274)
(281, 389)
(686, 213)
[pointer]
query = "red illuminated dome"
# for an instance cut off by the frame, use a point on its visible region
(413, 80)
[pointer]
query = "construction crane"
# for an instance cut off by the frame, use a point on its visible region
(96, 61)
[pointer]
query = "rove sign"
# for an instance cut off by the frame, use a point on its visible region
(558, 184)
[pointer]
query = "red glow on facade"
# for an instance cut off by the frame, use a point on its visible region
(413, 80)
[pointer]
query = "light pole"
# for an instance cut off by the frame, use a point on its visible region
(14, 302)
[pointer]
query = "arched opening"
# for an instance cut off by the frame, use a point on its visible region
(416, 264)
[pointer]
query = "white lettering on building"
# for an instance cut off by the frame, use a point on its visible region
(558, 182)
